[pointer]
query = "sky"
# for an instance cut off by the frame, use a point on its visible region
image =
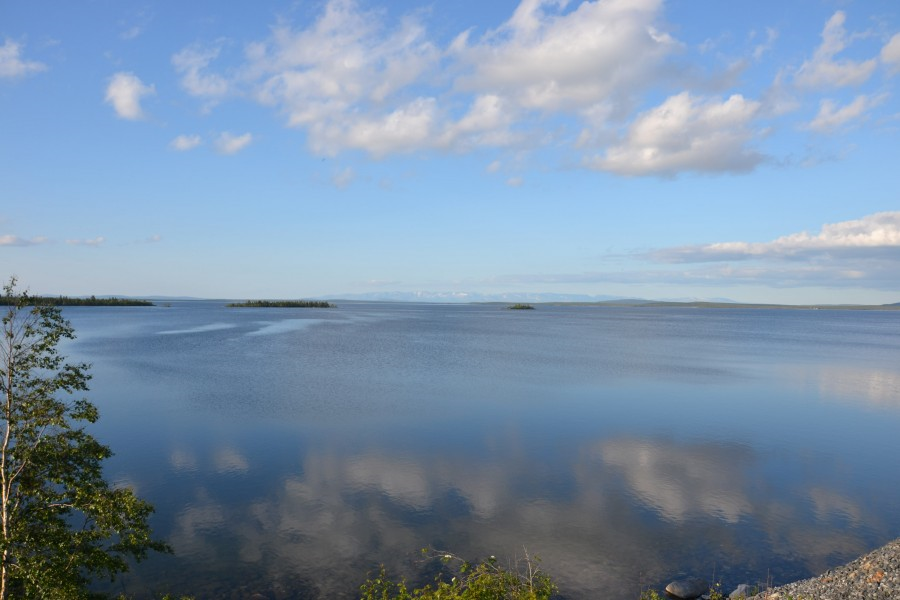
(321, 148)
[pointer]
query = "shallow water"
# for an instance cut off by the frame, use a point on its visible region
(291, 451)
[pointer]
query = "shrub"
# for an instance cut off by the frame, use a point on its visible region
(462, 580)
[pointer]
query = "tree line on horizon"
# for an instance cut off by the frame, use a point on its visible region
(69, 301)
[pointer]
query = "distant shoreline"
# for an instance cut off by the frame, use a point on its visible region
(655, 304)
(623, 303)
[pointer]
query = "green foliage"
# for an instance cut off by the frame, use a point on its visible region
(466, 581)
(521, 307)
(281, 304)
(61, 524)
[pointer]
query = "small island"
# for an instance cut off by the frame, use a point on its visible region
(91, 301)
(281, 304)
(520, 307)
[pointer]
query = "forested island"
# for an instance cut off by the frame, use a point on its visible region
(90, 301)
(281, 304)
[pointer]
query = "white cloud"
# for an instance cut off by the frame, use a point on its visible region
(822, 70)
(185, 142)
(97, 241)
(890, 54)
(486, 123)
(228, 143)
(599, 51)
(12, 64)
(124, 94)
(874, 236)
(353, 82)
(408, 128)
(190, 63)
(14, 240)
(686, 134)
(556, 72)
(336, 76)
(832, 117)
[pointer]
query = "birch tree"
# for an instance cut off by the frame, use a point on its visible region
(62, 524)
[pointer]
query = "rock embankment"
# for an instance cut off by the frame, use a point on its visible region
(874, 576)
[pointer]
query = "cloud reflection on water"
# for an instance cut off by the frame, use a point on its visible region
(878, 388)
(336, 514)
(681, 481)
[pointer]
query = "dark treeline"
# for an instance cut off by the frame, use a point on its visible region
(282, 304)
(67, 301)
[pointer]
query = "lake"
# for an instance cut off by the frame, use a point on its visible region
(289, 452)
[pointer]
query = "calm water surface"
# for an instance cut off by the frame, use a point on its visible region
(291, 451)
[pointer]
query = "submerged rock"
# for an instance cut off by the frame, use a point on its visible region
(687, 589)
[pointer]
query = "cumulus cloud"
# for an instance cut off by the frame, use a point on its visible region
(335, 77)
(824, 70)
(876, 235)
(14, 240)
(555, 72)
(408, 128)
(228, 143)
(13, 65)
(124, 94)
(832, 117)
(597, 52)
(185, 142)
(354, 82)
(685, 133)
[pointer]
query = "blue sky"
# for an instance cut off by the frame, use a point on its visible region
(699, 148)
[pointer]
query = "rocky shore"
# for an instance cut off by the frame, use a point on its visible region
(873, 576)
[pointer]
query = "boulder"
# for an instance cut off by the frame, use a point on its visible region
(687, 589)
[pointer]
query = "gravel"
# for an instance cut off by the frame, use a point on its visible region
(874, 576)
